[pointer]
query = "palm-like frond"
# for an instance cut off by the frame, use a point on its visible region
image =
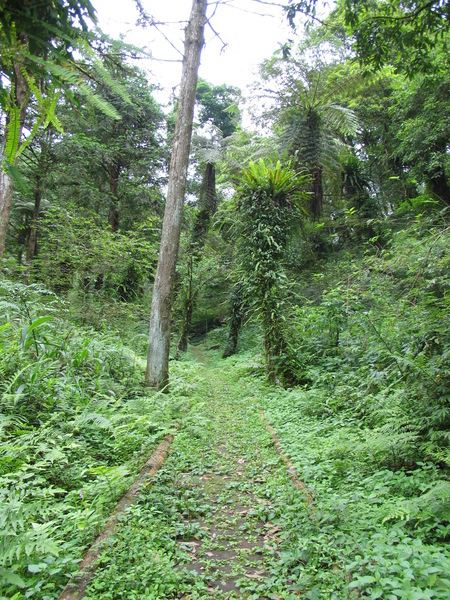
(341, 119)
(93, 418)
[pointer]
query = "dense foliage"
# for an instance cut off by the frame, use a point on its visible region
(314, 259)
(75, 425)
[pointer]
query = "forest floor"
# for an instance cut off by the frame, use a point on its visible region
(208, 524)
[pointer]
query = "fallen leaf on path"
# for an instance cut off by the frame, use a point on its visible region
(189, 544)
(274, 530)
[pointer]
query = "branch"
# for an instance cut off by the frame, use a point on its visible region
(167, 40)
(406, 17)
(251, 12)
(216, 34)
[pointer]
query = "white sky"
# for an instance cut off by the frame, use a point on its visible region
(250, 37)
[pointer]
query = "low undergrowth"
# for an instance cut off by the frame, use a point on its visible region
(76, 424)
(368, 526)
(210, 524)
(368, 428)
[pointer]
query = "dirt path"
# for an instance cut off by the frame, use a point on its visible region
(207, 527)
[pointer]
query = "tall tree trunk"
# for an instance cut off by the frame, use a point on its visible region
(22, 237)
(316, 199)
(237, 310)
(188, 308)
(20, 88)
(157, 373)
(32, 237)
(207, 207)
(113, 217)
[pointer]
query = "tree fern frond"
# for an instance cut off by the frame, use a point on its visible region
(96, 100)
(341, 119)
(13, 138)
(209, 155)
(69, 75)
(111, 83)
(94, 418)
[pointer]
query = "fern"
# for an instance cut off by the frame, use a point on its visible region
(66, 76)
(435, 502)
(94, 418)
(13, 137)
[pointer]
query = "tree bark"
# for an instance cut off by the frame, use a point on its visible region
(6, 183)
(207, 207)
(157, 373)
(237, 309)
(182, 345)
(316, 200)
(188, 307)
(32, 237)
(113, 216)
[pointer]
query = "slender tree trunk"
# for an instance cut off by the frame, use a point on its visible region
(157, 372)
(24, 232)
(207, 207)
(6, 194)
(6, 183)
(186, 328)
(32, 237)
(316, 201)
(113, 217)
(235, 323)
(188, 308)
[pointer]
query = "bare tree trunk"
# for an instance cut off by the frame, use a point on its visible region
(6, 194)
(237, 310)
(207, 207)
(113, 217)
(32, 237)
(316, 200)
(24, 231)
(6, 182)
(188, 308)
(157, 373)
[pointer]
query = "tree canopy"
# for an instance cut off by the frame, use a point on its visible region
(403, 34)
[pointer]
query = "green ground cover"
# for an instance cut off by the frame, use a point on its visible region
(366, 429)
(75, 427)
(369, 531)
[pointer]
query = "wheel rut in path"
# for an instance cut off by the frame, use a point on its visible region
(207, 527)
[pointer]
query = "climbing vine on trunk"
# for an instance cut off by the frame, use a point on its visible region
(270, 200)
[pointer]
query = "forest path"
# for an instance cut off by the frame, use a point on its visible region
(207, 525)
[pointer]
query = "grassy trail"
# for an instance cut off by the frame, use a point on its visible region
(208, 525)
